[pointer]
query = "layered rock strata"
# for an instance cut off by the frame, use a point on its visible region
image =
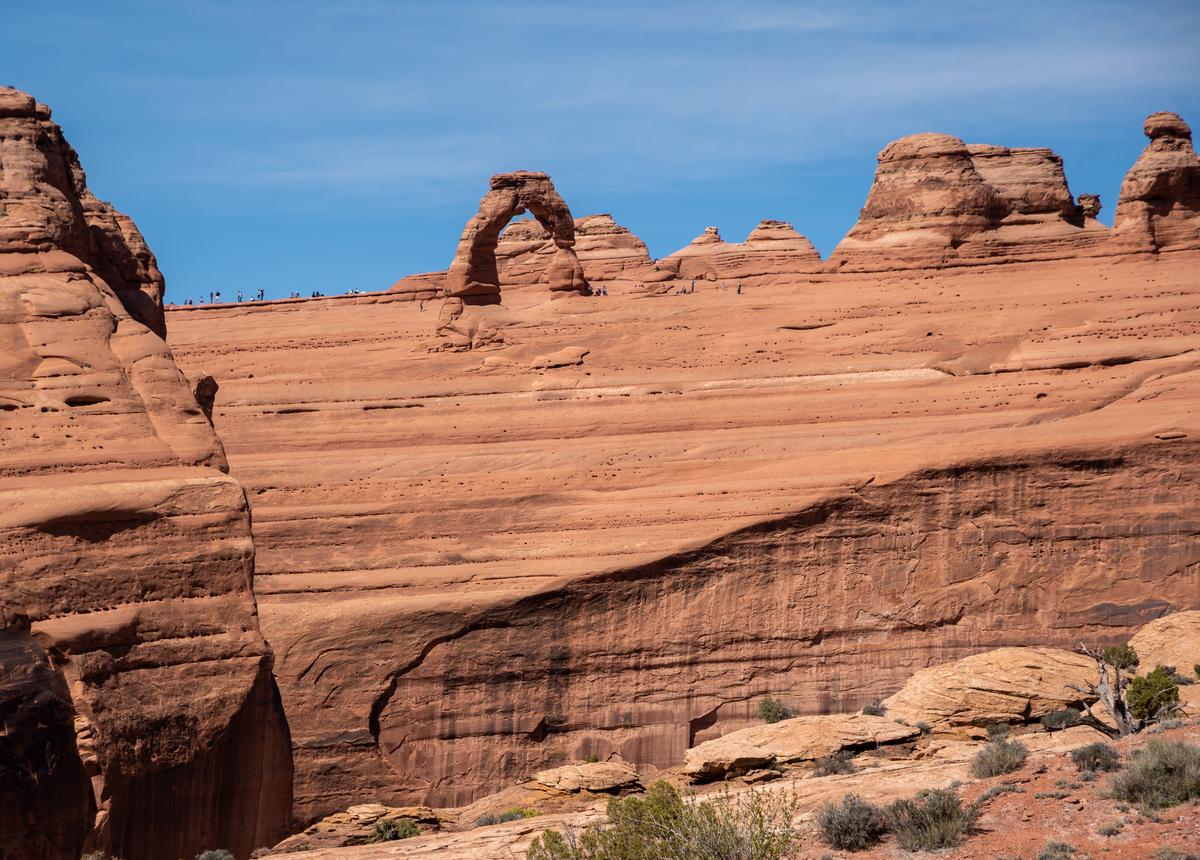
(79, 223)
(152, 725)
(474, 275)
(1159, 205)
(475, 566)
(773, 252)
(936, 201)
(606, 250)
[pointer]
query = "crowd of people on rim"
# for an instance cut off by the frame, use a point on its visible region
(214, 296)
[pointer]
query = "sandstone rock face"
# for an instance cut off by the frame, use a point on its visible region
(1173, 640)
(474, 274)
(789, 741)
(937, 201)
(606, 250)
(1159, 205)
(1089, 205)
(773, 252)
(1007, 685)
(472, 570)
(601, 777)
(125, 549)
(48, 207)
(46, 801)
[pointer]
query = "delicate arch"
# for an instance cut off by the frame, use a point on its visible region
(473, 273)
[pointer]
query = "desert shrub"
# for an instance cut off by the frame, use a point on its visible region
(1178, 677)
(996, 790)
(215, 854)
(773, 710)
(514, 814)
(1000, 756)
(932, 820)
(1164, 773)
(753, 826)
(1087, 776)
(391, 829)
(837, 763)
(1172, 854)
(1121, 656)
(1057, 851)
(874, 709)
(1151, 694)
(923, 727)
(1166, 725)
(1110, 829)
(996, 731)
(851, 824)
(591, 759)
(1196, 669)
(1064, 719)
(99, 855)
(1095, 757)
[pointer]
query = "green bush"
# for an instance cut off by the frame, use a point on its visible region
(932, 820)
(514, 814)
(752, 826)
(832, 764)
(591, 759)
(1000, 756)
(215, 854)
(874, 709)
(391, 829)
(1172, 854)
(1164, 773)
(1057, 851)
(1196, 669)
(773, 710)
(1121, 656)
(1096, 757)
(1064, 719)
(851, 824)
(1150, 694)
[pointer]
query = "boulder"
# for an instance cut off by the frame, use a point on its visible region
(1158, 208)
(797, 739)
(1006, 685)
(602, 777)
(1173, 640)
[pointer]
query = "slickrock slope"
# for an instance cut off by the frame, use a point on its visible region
(1159, 206)
(773, 253)
(936, 201)
(140, 714)
(474, 565)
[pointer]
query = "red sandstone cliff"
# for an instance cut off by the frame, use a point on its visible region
(936, 201)
(140, 712)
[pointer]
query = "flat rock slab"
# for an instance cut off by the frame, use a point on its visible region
(798, 739)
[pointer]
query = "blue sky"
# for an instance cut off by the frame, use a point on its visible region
(308, 145)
